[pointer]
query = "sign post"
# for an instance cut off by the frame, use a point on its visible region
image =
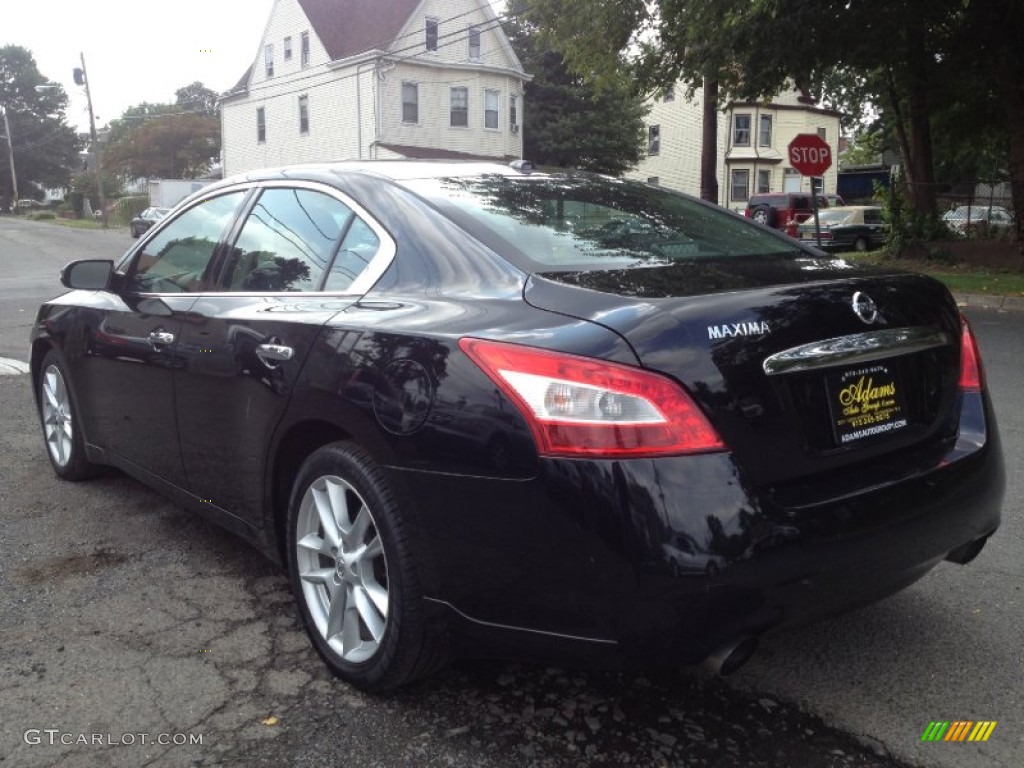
(810, 155)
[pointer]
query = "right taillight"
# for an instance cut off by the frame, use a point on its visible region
(584, 407)
(972, 376)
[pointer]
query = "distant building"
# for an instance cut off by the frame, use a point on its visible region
(752, 144)
(337, 79)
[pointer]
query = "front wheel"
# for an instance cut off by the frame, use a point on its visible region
(62, 429)
(352, 572)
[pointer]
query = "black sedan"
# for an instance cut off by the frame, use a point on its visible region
(147, 219)
(470, 426)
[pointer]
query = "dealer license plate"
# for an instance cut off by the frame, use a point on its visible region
(865, 401)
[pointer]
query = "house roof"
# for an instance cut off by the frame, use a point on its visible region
(348, 27)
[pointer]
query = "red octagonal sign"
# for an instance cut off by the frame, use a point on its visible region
(810, 154)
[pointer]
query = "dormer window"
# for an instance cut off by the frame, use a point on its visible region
(432, 30)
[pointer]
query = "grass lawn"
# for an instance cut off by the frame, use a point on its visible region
(960, 277)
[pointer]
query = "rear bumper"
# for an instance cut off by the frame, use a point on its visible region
(665, 560)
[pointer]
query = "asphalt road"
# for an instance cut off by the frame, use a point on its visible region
(125, 619)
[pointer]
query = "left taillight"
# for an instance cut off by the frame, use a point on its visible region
(583, 407)
(972, 375)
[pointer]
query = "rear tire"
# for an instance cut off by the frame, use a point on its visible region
(860, 245)
(352, 572)
(61, 421)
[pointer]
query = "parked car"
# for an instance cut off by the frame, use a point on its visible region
(854, 227)
(147, 219)
(469, 428)
(835, 201)
(965, 218)
(777, 209)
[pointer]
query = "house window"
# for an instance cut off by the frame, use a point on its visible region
(459, 108)
(492, 103)
(669, 94)
(821, 132)
(513, 112)
(764, 134)
(261, 125)
(740, 190)
(268, 57)
(741, 131)
(303, 115)
(410, 103)
(288, 49)
(653, 139)
(431, 42)
(764, 182)
(304, 49)
(653, 180)
(791, 180)
(474, 44)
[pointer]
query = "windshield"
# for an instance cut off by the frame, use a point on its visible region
(831, 217)
(579, 222)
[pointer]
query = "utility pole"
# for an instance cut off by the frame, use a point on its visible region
(10, 159)
(82, 78)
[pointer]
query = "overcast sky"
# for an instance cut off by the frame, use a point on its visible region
(137, 51)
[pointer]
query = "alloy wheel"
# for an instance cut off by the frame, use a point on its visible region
(57, 422)
(342, 568)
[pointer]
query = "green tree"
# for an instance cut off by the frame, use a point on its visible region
(45, 147)
(569, 122)
(196, 97)
(891, 55)
(177, 145)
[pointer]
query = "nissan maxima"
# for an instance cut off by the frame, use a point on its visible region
(485, 410)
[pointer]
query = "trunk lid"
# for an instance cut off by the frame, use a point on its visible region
(744, 336)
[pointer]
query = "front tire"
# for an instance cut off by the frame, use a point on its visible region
(58, 414)
(352, 572)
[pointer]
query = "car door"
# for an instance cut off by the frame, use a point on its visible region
(297, 261)
(131, 350)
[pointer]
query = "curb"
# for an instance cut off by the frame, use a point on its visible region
(984, 301)
(9, 367)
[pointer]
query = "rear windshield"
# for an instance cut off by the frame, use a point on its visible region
(570, 223)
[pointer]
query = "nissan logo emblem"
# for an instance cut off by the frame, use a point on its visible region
(864, 307)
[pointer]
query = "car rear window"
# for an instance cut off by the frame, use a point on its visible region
(546, 222)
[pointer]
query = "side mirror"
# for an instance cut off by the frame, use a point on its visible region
(87, 274)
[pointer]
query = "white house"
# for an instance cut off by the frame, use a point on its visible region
(752, 143)
(339, 79)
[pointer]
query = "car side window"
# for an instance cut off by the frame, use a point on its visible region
(287, 241)
(177, 259)
(358, 249)
(872, 217)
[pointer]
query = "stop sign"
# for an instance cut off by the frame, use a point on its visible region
(809, 154)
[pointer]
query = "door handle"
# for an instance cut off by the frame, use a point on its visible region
(272, 354)
(158, 339)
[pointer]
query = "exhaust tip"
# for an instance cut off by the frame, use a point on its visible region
(731, 656)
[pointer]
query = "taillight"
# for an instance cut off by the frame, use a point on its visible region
(579, 406)
(972, 376)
